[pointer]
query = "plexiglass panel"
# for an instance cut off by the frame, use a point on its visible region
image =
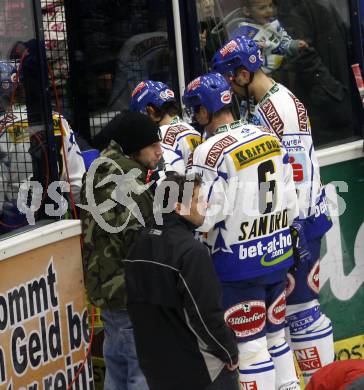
(306, 45)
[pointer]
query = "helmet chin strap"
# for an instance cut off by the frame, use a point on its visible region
(246, 89)
(160, 120)
(210, 119)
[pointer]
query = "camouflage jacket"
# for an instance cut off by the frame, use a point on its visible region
(103, 251)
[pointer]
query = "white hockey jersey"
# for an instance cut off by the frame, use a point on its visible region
(16, 161)
(252, 201)
(179, 140)
(282, 112)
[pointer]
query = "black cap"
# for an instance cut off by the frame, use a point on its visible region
(134, 131)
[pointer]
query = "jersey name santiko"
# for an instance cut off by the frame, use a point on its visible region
(264, 225)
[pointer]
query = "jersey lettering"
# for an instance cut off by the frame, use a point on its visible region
(255, 151)
(263, 225)
(171, 134)
(249, 385)
(301, 115)
(217, 149)
(273, 117)
(308, 359)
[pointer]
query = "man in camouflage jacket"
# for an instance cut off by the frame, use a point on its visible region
(108, 232)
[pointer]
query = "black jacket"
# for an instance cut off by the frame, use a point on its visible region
(174, 296)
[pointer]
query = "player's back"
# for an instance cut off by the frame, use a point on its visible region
(252, 201)
(179, 140)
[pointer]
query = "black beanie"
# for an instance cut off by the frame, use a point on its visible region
(134, 131)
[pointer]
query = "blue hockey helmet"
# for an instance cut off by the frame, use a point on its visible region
(150, 92)
(238, 52)
(7, 77)
(210, 90)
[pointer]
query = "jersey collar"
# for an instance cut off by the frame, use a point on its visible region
(230, 126)
(175, 120)
(272, 90)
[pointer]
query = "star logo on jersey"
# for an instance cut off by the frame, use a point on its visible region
(220, 244)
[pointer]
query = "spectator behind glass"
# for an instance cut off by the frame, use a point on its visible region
(212, 32)
(320, 75)
(23, 138)
(261, 26)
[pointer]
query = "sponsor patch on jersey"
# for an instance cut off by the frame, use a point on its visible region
(297, 161)
(290, 285)
(217, 149)
(293, 144)
(225, 97)
(18, 132)
(138, 88)
(277, 310)
(269, 251)
(249, 385)
(194, 84)
(228, 48)
(273, 118)
(56, 124)
(193, 141)
(172, 133)
(235, 125)
(255, 152)
(303, 122)
(266, 129)
(313, 278)
(308, 359)
(247, 318)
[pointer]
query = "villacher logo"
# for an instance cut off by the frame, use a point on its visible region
(246, 318)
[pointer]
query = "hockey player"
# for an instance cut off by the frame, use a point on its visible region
(277, 108)
(252, 205)
(179, 139)
(16, 160)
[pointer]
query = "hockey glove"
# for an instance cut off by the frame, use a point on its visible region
(299, 243)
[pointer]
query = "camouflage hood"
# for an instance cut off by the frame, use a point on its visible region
(103, 250)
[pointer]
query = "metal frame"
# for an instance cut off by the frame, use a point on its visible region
(41, 111)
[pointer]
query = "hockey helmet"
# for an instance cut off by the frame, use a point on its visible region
(210, 90)
(150, 92)
(238, 52)
(7, 77)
